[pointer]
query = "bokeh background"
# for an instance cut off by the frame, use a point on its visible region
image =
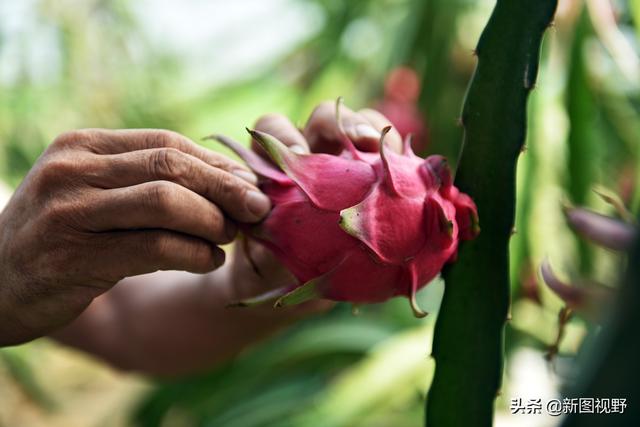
(200, 67)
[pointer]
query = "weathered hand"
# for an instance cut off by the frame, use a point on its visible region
(101, 205)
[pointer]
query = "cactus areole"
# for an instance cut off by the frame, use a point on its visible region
(360, 227)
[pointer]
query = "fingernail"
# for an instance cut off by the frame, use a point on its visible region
(218, 257)
(258, 203)
(366, 131)
(250, 177)
(299, 149)
(230, 230)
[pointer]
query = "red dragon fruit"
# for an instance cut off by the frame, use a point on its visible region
(360, 226)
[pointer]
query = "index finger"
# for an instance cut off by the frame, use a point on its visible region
(105, 141)
(239, 199)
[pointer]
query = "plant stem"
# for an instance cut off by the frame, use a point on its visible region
(468, 342)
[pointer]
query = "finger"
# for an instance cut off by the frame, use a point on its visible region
(159, 205)
(323, 133)
(280, 127)
(103, 141)
(393, 139)
(130, 253)
(240, 200)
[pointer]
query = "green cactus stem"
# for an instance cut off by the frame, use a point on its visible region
(468, 342)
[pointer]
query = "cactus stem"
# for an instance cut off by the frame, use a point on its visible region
(469, 354)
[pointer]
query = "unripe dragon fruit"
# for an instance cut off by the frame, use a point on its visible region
(360, 227)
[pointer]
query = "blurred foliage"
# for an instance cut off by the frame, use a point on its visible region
(582, 140)
(100, 68)
(312, 375)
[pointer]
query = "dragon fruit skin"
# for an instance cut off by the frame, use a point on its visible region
(359, 227)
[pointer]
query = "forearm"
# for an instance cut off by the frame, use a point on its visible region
(172, 323)
(12, 330)
(154, 323)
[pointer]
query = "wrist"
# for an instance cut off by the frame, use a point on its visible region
(12, 329)
(30, 310)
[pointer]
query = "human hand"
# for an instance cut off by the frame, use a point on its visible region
(101, 205)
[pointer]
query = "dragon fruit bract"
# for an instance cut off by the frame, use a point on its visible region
(359, 227)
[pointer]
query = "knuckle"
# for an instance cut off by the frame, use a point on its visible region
(169, 163)
(172, 138)
(164, 138)
(71, 138)
(60, 165)
(226, 186)
(55, 212)
(53, 171)
(63, 213)
(160, 197)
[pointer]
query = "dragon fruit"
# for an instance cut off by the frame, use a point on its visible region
(360, 227)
